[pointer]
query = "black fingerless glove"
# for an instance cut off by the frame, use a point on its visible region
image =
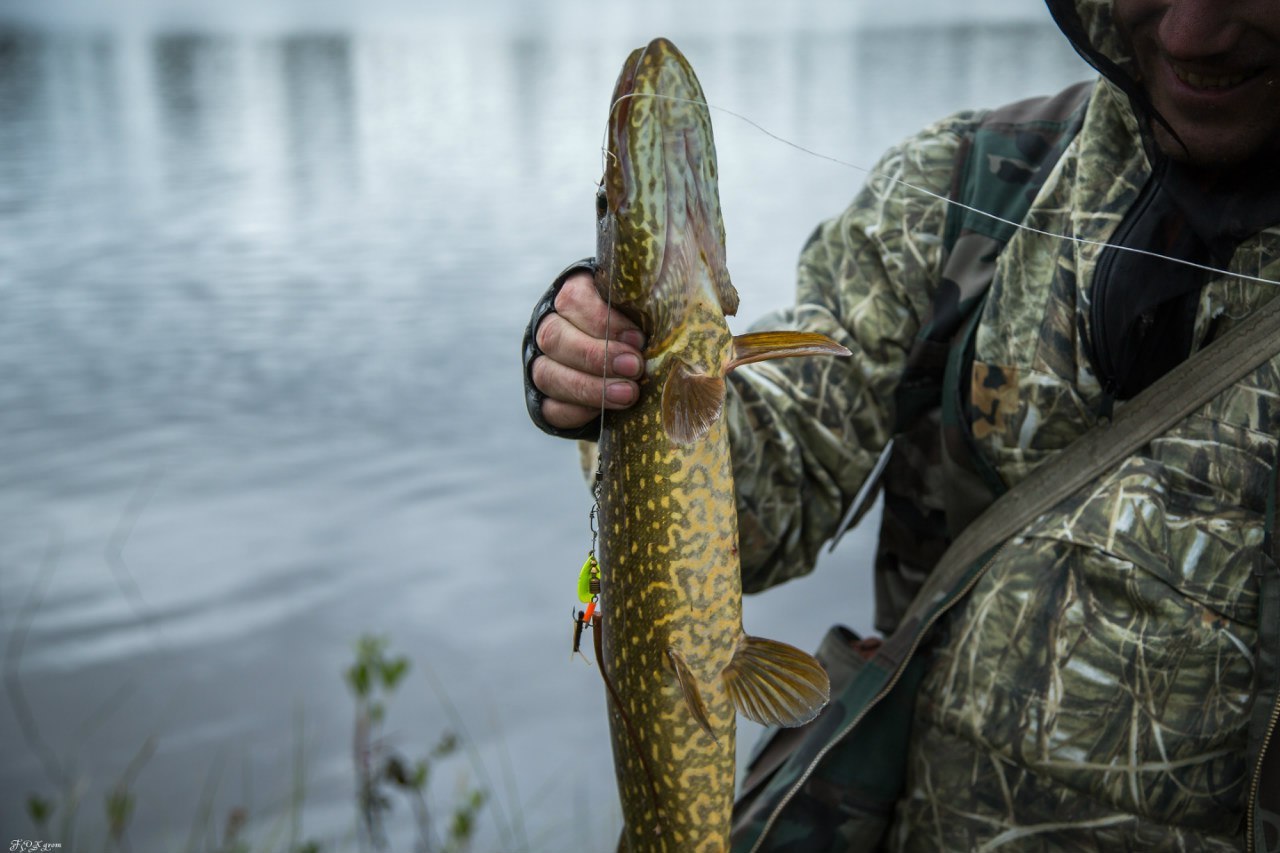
(533, 398)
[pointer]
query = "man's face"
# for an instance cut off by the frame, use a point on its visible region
(1212, 69)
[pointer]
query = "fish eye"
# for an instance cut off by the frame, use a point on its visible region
(602, 203)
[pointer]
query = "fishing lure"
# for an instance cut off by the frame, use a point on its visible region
(588, 594)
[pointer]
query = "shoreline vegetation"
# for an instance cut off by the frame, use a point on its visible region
(383, 776)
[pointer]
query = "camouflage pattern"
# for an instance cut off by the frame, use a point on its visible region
(1109, 681)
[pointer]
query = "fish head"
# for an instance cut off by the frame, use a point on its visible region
(660, 232)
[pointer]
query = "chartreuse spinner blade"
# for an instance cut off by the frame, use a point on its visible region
(588, 594)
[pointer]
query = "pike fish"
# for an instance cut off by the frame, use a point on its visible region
(673, 651)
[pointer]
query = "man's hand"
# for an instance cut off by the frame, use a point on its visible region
(571, 369)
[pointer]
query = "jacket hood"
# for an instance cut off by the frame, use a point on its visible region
(1093, 32)
(1144, 307)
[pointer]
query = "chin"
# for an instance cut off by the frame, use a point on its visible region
(1220, 151)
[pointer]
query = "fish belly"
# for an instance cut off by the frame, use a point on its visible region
(670, 581)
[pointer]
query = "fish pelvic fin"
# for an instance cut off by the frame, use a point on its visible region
(760, 346)
(691, 402)
(775, 684)
(692, 696)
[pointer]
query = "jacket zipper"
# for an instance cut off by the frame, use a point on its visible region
(1257, 774)
(897, 675)
(1102, 365)
(1101, 355)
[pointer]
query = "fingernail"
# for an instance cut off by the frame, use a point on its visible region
(634, 337)
(620, 392)
(626, 365)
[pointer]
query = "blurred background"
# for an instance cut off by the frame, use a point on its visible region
(264, 268)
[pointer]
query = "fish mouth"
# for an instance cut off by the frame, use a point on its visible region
(660, 220)
(653, 104)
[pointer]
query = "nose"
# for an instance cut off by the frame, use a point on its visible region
(1198, 29)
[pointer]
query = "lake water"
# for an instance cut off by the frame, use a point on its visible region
(263, 277)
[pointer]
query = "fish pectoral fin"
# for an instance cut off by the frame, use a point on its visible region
(761, 346)
(692, 696)
(691, 402)
(775, 684)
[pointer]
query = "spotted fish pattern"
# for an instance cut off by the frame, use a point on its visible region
(664, 524)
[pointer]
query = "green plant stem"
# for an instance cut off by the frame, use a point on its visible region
(477, 762)
(201, 825)
(298, 794)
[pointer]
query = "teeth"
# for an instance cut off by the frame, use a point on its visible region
(1205, 81)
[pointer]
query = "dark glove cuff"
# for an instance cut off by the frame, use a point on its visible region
(533, 398)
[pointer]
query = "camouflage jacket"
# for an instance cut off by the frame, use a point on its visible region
(1109, 682)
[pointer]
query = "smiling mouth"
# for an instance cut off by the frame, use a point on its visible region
(1208, 81)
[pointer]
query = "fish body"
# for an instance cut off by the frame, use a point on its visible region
(674, 653)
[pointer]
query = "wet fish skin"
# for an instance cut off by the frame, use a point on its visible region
(674, 649)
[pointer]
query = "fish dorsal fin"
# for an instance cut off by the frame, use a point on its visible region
(691, 402)
(760, 346)
(775, 684)
(689, 687)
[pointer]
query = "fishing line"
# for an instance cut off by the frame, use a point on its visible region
(604, 388)
(1084, 241)
(594, 516)
(595, 623)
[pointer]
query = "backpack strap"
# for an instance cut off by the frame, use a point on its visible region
(1000, 167)
(1006, 164)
